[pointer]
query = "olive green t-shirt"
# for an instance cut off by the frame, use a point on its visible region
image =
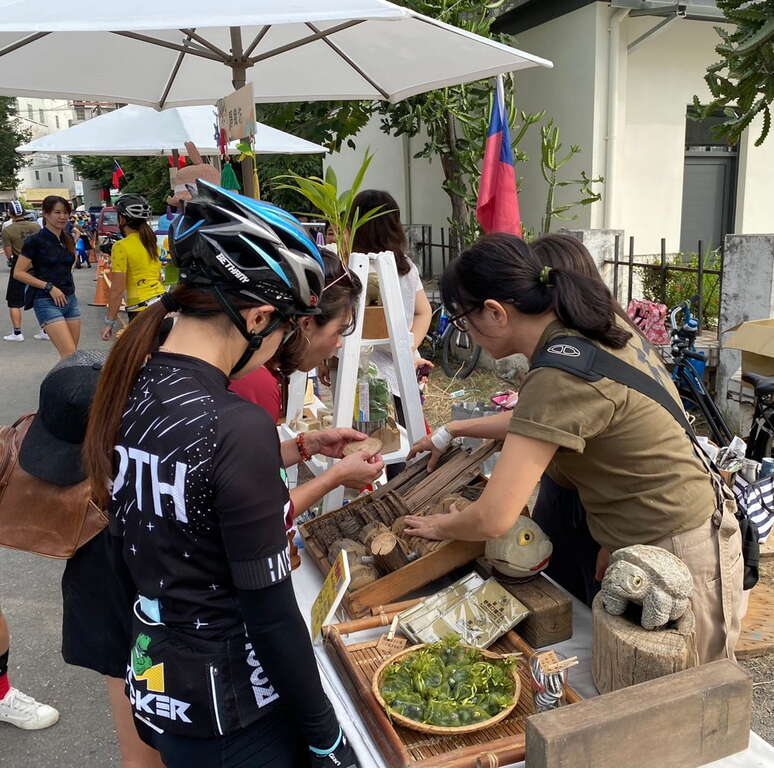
(633, 465)
(15, 234)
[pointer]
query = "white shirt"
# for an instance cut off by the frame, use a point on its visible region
(409, 284)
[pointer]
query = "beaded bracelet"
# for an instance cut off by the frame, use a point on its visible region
(302, 452)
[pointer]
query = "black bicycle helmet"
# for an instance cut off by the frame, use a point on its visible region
(230, 244)
(249, 247)
(134, 207)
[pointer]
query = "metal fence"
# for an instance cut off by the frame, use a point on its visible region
(432, 247)
(651, 277)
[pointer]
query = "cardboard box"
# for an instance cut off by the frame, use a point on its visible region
(755, 339)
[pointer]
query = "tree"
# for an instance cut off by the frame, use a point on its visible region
(12, 135)
(147, 176)
(742, 83)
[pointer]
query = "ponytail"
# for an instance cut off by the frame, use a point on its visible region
(148, 239)
(123, 365)
(555, 273)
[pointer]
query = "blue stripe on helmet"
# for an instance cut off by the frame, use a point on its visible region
(273, 263)
(179, 235)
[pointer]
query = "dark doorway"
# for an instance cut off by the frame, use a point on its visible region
(709, 187)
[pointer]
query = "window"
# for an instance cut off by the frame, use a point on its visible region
(29, 112)
(56, 120)
(61, 178)
(49, 175)
(42, 116)
(37, 175)
(59, 162)
(80, 112)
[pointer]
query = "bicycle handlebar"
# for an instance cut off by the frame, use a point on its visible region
(681, 307)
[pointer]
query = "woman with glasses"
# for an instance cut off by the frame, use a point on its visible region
(221, 669)
(620, 459)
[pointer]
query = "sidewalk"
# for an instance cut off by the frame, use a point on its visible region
(29, 586)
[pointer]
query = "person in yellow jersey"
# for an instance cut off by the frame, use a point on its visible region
(136, 267)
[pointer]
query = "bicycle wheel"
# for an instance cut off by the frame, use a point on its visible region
(459, 355)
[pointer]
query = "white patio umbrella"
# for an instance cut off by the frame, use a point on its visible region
(136, 130)
(162, 55)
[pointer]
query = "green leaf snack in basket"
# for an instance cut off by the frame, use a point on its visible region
(448, 685)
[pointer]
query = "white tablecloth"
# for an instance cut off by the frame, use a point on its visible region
(307, 582)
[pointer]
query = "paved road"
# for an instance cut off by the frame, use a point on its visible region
(30, 589)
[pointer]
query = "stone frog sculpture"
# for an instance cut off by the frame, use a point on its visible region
(651, 577)
(523, 552)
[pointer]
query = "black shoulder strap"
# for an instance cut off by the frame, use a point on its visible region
(581, 357)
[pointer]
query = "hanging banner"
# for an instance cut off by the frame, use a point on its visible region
(236, 115)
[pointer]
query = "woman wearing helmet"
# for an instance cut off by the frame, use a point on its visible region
(135, 265)
(221, 671)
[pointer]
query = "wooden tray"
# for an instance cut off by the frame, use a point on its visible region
(402, 748)
(412, 492)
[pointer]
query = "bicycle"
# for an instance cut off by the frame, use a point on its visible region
(688, 373)
(454, 346)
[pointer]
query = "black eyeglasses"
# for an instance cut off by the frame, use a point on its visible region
(459, 321)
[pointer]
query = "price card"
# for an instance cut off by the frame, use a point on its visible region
(331, 594)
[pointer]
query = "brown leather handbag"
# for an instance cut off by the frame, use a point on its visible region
(40, 517)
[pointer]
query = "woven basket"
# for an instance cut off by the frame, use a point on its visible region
(439, 729)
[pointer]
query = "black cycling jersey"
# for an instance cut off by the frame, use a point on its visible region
(200, 500)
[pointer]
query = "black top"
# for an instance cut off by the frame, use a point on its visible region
(51, 261)
(200, 494)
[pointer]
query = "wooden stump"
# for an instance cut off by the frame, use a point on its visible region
(388, 552)
(370, 531)
(623, 653)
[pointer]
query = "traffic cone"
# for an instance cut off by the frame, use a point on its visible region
(101, 293)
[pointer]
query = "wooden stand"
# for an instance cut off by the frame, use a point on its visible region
(550, 608)
(624, 654)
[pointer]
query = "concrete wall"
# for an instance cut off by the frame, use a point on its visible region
(661, 79)
(755, 191)
(570, 94)
(428, 202)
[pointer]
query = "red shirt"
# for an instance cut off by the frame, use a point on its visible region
(262, 388)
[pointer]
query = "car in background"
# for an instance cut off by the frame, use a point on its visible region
(107, 222)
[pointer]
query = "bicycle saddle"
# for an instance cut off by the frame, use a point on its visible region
(764, 385)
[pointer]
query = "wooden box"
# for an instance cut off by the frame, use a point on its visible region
(682, 720)
(550, 608)
(412, 492)
(501, 744)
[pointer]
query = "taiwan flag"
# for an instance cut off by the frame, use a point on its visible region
(118, 174)
(497, 209)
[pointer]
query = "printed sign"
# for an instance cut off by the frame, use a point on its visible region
(331, 593)
(236, 115)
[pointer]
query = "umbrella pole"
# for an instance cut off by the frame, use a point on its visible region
(238, 80)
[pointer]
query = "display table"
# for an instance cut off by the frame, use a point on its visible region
(307, 582)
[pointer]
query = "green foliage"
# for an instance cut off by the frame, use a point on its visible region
(742, 82)
(147, 176)
(683, 286)
(551, 164)
(12, 135)
(330, 123)
(334, 205)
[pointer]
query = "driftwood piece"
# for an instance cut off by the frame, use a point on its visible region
(327, 532)
(388, 552)
(351, 524)
(623, 653)
(681, 721)
(361, 575)
(369, 531)
(355, 550)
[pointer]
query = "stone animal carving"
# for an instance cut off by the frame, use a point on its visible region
(651, 577)
(523, 552)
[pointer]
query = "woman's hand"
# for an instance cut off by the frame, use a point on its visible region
(603, 560)
(424, 445)
(107, 332)
(57, 297)
(331, 442)
(359, 470)
(426, 526)
(324, 373)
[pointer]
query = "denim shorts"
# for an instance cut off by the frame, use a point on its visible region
(47, 312)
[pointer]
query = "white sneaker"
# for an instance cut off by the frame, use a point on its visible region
(42, 336)
(24, 712)
(14, 337)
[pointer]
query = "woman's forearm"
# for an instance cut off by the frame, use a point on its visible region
(22, 274)
(305, 495)
(290, 453)
(116, 293)
(486, 427)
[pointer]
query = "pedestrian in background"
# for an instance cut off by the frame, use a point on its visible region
(46, 265)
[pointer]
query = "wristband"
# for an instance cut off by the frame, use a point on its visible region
(302, 452)
(441, 439)
(326, 752)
